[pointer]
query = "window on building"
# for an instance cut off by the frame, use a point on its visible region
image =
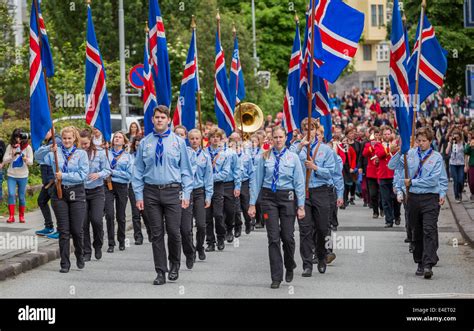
(383, 83)
(367, 85)
(367, 50)
(383, 52)
(373, 13)
(381, 15)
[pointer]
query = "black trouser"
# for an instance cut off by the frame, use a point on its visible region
(161, 204)
(229, 206)
(198, 200)
(136, 217)
(70, 212)
(243, 206)
(95, 201)
(388, 197)
(333, 207)
(423, 213)
(281, 209)
(348, 189)
(407, 223)
(373, 187)
(216, 213)
(186, 229)
(43, 199)
(119, 194)
(315, 226)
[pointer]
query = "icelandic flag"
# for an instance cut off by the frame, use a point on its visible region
(40, 117)
(399, 82)
(97, 99)
(159, 55)
(222, 106)
(46, 55)
(433, 63)
(291, 118)
(340, 27)
(149, 94)
(236, 81)
(323, 110)
(306, 65)
(185, 112)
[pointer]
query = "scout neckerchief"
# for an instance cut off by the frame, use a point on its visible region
(18, 163)
(214, 157)
(67, 156)
(254, 154)
(276, 170)
(422, 161)
(159, 146)
(198, 153)
(117, 156)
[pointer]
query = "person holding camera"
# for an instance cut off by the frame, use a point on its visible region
(2, 153)
(455, 150)
(19, 155)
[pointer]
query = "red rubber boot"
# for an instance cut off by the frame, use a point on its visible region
(22, 214)
(11, 209)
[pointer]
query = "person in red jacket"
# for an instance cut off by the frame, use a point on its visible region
(349, 162)
(372, 169)
(385, 176)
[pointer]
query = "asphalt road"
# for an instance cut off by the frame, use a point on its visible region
(380, 268)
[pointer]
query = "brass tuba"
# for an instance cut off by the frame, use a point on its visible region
(248, 117)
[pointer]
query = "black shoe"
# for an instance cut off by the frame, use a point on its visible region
(382, 214)
(229, 237)
(275, 284)
(351, 201)
(202, 255)
(330, 257)
(322, 266)
(238, 232)
(174, 272)
(342, 207)
(64, 270)
(428, 273)
(80, 263)
(397, 221)
(87, 258)
(388, 225)
(248, 229)
(211, 248)
(122, 247)
(220, 245)
(365, 204)
(190, 262)
(160, 279)
(419, 270)
(407, 240)
(98, 254)
(289, 276)
(307, 273)
(375, 215)
(110, 249)
(314, 260)
(139, 241)
(411, 248)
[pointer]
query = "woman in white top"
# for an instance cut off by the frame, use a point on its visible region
(455, 150)
(19, 155)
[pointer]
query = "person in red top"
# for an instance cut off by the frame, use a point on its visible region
(349, 162)
(372, 169)
(390, 204)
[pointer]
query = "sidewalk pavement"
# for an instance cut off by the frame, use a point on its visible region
(21, 250)
(463, 213)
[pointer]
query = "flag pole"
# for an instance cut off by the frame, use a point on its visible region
(193, 28)
(417, 81)
(310, 95)
(234, 33)
(53, 134)
(405, 159)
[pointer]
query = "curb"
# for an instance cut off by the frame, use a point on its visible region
(24, 262)
(462, 218)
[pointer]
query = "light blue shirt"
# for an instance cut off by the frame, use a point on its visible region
(247, 166)
(295, 146)
(222, 164)
(176, 167)
(122, 173)
(337, 178)
(203, 173)
(429, 181)
(234, 164)
(291, 176)
(326, 166)
(78, 164)
(254, 152)
(99, 164)
(50, 142)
